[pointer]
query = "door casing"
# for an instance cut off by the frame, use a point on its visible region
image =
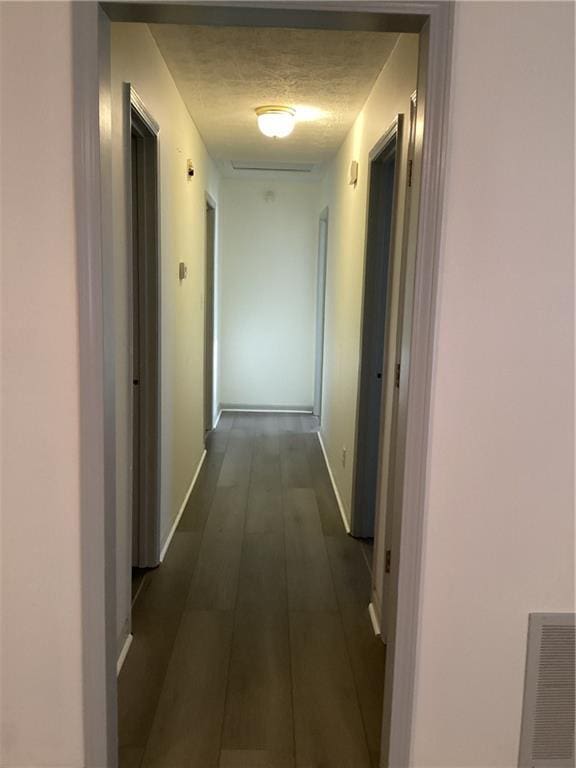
(209, 320)
(433, 21)
(320, 310)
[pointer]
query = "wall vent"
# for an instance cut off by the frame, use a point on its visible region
(273, 167)
(548, 715)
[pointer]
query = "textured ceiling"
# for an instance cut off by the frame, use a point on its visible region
(224, 73)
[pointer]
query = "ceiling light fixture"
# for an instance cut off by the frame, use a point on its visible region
(276, 122)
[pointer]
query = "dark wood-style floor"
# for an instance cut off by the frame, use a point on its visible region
(252, 642)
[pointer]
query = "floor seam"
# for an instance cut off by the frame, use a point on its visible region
(289, 624)
(235, 609)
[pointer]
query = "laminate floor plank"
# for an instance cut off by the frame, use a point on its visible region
(264, 511)
(267, 424)
(350, 575)
(188, 722)
(258, 715)
(309, 578)
(130, 757)
(215, 580)
(309, 422)
(252, 642)
(330, 516)
(198, 506)
(255, 758)
(367, 652)
(289, 422)
(217, 440)
(265, 468)
(156, 618)
(237, 460)
(294, 461)
(267, 443)
(262, 581)
(226, 421)
(257, 423)
(328, 725)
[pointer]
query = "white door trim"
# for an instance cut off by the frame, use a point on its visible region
(321, 272)
(97, 430)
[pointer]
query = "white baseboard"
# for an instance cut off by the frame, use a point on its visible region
(374, 620)
(182, 508)
(124, 653)
(334, 486)
(264, 410)
(217, 418)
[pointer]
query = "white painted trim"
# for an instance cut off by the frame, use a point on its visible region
(217, 418)
(402, 634)
(334, 486)
(263, 410)
(374, 620)
(182, 508)
(124, 653)
(138, 105)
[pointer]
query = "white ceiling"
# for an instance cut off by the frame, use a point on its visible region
(224, 73)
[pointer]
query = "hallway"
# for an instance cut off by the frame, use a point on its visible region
(252, 642)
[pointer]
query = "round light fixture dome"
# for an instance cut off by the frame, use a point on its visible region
(276, 122)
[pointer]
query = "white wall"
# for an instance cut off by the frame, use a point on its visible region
(499, 540)
(41, 675)
(136, 59)
(267, 292)
(346, 252)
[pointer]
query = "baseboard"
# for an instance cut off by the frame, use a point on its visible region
(235, 408)
(334, 486)
(374, 620)
(182, 508)
(217, 418)
(124, 653)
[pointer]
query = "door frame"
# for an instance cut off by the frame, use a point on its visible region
(146, 540)
(209, 317)
(385, 499)
(323, 223)
(362, 523)
(433, 20)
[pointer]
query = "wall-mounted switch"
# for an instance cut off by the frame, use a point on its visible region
(182, 271)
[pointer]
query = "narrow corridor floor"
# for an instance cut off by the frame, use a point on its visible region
(252, 642)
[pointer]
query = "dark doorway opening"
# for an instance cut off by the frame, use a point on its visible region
(375, 323)
(145, 339)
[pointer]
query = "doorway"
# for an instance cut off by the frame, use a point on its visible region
(209, 316)
(375, 323)
(434, 26)
(320, 310)
(145, 337)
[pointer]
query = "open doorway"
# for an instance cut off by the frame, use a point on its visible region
(375, 324)
(320, 310)
(145, 338)
(283, 454)
(209, 316)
